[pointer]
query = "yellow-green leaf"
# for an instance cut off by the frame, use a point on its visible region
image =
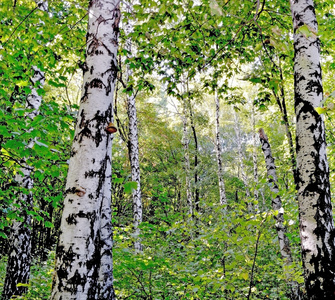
(320, 110)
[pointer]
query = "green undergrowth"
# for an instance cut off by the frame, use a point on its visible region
(218, 254)
(215, 255)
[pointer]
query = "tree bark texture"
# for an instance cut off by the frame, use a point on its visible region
(313, 188)
(284, 243)
(84, 264)
(19, 257)
(222, 190)
(133, 139)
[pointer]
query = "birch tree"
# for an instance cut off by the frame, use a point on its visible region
(84, 265)
(284, 243)
(313, 188)
(133, 137)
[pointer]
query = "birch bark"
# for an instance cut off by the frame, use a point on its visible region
(223, 198)
(313, 188)
(133, 139)
(284, 243)
(84, 264)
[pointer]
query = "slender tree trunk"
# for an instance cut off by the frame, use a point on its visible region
(223, 198)
(315, 209)
(133, 140)
(185, 142)
(280, 99)
(284, 243)
(19, 257)
(196, 160)
(84, 264)
(242, 166)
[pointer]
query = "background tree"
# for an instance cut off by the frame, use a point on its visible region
(133, 147)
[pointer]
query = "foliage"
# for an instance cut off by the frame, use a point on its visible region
(183, 50)
(211, 257)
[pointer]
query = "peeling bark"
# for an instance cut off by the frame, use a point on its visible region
(313, 188)
(133, 140)
(222, 190)
(84, 264)
(284, 243)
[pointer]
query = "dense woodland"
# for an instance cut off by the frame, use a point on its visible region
(167, 149)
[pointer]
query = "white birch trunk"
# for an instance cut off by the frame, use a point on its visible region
(313, 188)
(284, 243)
(223, 198)
(133, 140)
(84, 265)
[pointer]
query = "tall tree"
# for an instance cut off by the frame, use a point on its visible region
(196, 156)
(133, 135)
(19, 255)
(84, 264)
(313, 188)
(284, 243)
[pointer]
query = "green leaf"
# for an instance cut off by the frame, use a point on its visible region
(23, 284)
(320, 110)
(130, 186)
(3, 235)
(48, 224)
